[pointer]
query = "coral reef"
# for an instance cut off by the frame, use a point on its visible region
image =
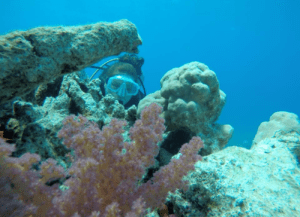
(103, 178)
(283, 126)
(191, 99)
(263, 181)
(33, 127)
(36, 56)
(102, 165)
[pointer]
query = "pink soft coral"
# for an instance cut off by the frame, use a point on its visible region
(103, 178)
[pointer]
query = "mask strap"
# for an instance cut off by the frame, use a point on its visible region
(142, 85)
(101, 67)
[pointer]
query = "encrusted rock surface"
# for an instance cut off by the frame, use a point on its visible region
(263, 181)
(283, 126)
(34, 126)
(39, 55)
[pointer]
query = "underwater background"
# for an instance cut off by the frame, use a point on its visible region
(252, 46)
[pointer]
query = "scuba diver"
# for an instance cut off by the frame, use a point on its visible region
(123, 79)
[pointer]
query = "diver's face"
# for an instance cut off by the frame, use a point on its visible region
(118, 95)
(122, 87)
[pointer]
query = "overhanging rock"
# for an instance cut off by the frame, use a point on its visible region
(30, 58)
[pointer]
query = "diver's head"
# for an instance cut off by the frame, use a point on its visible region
(122, 87)
(121, 80)
(124, 78)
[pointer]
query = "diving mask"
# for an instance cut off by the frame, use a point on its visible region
(123, 86)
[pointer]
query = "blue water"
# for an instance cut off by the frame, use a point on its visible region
(253, 46)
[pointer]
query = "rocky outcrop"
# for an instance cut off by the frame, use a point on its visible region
(262, 181)
(31, 58)
(34, 127)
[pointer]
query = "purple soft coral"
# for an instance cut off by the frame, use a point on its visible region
(103, 178)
